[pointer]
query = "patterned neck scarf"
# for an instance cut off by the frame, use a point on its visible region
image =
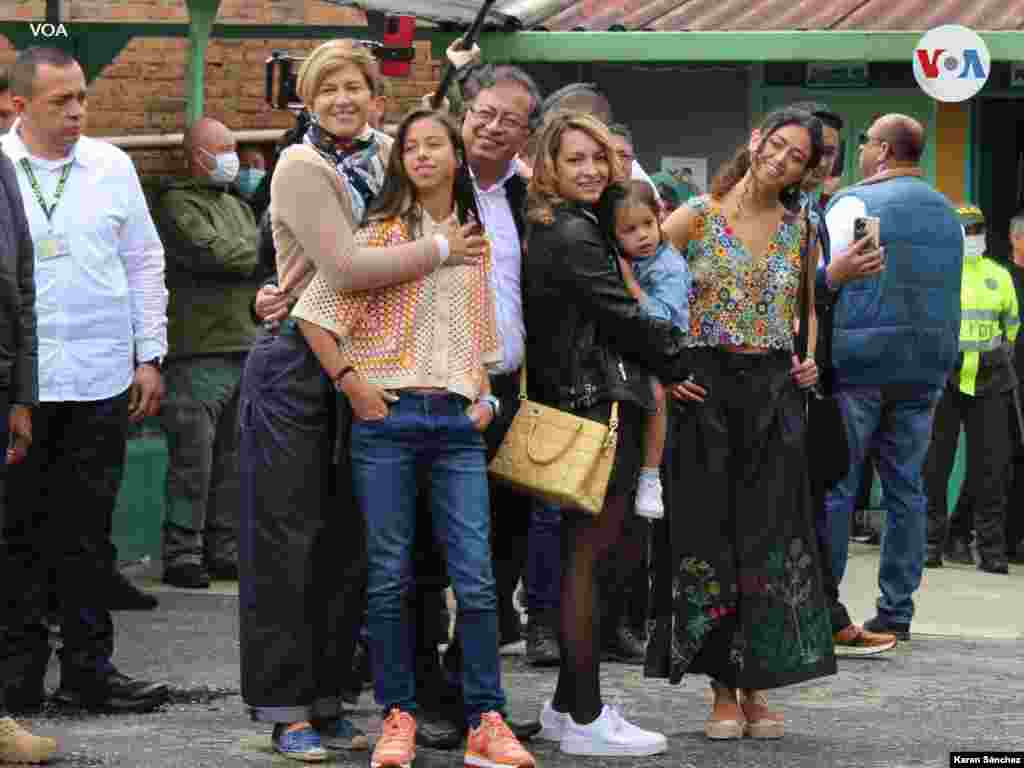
(357, 160)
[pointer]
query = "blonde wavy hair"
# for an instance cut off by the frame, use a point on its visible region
(328, 59)
(542, 194)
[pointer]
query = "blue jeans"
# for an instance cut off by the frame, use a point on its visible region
(900, 429)
(430, 438)
(544, 559)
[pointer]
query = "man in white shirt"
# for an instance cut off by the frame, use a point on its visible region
(101, 306)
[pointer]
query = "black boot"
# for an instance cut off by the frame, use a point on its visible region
(542, 642)
(958, 550)
(623, 645)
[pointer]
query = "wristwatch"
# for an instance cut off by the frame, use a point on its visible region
(492, 401)
(156, 362)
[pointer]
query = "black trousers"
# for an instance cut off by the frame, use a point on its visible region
(57, 526)
(5, 608)
(987, 429)
(1015, 482)
(838, 615)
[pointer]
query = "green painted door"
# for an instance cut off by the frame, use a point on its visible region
(858, 108)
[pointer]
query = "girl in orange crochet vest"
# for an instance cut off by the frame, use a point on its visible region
(411, 359)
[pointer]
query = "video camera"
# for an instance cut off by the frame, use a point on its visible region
(395, 55)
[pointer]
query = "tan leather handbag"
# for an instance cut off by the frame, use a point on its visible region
(557, 456)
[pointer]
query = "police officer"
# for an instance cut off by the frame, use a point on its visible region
(976, 396)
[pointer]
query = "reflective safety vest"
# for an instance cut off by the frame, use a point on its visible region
(989, 323)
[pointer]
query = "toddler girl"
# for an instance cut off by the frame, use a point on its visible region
(657, 276)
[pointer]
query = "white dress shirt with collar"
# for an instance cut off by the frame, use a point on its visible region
(507, 253)
(102, 305)
(637, 173)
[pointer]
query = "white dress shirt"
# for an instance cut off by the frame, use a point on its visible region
(840, 222)
(102, 305)
(637, 173)
(507, 252)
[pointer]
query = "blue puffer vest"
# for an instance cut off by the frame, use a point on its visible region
(902, 326)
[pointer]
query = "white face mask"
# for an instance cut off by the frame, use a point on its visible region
(225, 166)
(974, 247)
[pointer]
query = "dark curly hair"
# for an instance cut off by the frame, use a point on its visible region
(731, 172)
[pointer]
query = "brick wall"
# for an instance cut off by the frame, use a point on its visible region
(143, 90)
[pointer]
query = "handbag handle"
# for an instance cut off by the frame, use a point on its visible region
(613, 419)
(558, 454)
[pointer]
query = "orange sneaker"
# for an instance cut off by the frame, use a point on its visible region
(493, 745)
(396, 747)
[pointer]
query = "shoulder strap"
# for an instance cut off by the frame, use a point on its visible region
(806, 273)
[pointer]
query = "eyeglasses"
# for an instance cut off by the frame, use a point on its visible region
(506, 120)
(864, 139)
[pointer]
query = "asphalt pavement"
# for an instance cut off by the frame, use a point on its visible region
(958, 685)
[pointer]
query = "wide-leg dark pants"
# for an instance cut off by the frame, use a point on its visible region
(301, 542)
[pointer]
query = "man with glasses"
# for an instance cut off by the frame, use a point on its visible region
(895, 342)
(855, 263)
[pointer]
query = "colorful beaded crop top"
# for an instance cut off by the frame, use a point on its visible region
(737, 298)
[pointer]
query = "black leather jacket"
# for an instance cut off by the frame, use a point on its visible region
(587, 339)
(19, 343)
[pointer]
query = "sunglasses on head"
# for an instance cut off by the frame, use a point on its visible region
(863, 139)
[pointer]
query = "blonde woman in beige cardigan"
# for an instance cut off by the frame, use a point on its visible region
(298, 611)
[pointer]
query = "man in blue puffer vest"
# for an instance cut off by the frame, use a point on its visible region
(895, 343)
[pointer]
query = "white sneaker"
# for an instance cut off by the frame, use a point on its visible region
(611, 736)
(552, 723)
(649, 501)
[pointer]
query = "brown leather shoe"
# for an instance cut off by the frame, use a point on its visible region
(762, 723)
(854, 640)
(18, 746)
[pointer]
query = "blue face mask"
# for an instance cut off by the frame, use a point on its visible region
(249, 180)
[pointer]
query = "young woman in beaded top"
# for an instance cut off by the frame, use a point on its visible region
(738, 594)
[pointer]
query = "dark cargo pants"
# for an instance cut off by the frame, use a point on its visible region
(200, 419)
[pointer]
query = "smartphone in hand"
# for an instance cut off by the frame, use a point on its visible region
(868, 226)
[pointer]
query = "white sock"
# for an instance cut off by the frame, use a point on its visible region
(651, 474)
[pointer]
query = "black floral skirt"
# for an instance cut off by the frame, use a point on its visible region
(737, 589)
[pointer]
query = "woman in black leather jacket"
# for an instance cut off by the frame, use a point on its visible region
(588, 344)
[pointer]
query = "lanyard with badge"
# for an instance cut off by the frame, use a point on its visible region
(51, 245)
